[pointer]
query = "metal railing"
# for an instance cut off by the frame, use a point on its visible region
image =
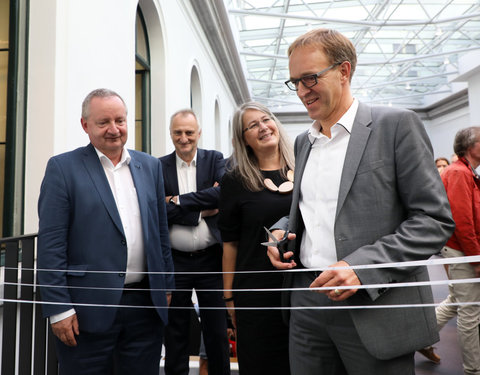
(27, 341)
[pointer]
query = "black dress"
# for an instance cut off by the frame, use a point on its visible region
(262, 336)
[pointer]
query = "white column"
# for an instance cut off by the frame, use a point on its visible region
(469, 67)
(75, 46)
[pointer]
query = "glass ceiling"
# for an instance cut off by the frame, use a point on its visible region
(408, 50)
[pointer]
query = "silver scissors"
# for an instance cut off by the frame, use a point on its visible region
(280, 244)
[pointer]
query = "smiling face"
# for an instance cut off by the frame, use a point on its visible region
(330, 98)
(260, 132)
(185, 134)
(106, 126)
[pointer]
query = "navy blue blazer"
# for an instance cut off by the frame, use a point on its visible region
(210, 169)
(80, 231)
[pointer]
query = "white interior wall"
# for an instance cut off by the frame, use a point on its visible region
(187, 47)
(474, 98)
(443, 129)
(40, 132)
(71, 53)
(76, 46)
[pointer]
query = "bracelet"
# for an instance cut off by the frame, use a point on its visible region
(227, 299)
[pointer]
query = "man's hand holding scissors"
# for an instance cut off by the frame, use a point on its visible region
(276, 249)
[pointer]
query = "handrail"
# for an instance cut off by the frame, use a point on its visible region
(17, 238)
(23, 322)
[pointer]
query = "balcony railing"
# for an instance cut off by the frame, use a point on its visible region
(27, 342)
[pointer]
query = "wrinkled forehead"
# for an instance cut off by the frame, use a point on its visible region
(184, 123)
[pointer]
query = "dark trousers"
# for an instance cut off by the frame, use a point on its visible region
(213, 322)
(326, 342)
(132, 345)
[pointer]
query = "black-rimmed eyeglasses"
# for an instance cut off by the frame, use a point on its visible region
(310, 80)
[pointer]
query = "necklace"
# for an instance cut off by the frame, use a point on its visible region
(284, 188)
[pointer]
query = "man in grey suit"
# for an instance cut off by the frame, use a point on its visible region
(366, 192)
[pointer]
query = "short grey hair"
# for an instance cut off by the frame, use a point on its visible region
(184, 112)
(466, 138)
(336, 46)
(98, 93)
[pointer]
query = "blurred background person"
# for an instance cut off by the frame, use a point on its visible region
(441, 164)
(462, 184)
(249, 201)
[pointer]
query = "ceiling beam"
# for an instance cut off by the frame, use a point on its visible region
(355, 22)
(213, 17)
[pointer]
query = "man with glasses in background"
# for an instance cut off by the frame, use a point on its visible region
(366, 192)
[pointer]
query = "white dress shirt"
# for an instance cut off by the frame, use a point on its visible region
(125, 195)
(121, 183)
(183, 237)
(319, 190)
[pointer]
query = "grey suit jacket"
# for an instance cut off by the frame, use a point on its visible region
(391, 207)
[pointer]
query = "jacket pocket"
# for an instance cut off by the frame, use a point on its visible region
(77, 270)
(367, 167)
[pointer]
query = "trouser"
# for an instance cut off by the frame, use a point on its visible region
(468, 315)
(196, 271)
(326, 342)
(132, 345)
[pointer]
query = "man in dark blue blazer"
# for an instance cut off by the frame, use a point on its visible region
(191, 187)
(102, 225)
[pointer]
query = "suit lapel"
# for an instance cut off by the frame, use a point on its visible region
(136, 169)
(171, 180)
(202, 178)
(95, 170)
(355, 149)
(303, 150)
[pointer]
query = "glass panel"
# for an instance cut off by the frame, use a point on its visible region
(138, 111)
(4, 23)
(406, 50)
(142, 49)
(3, 94)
